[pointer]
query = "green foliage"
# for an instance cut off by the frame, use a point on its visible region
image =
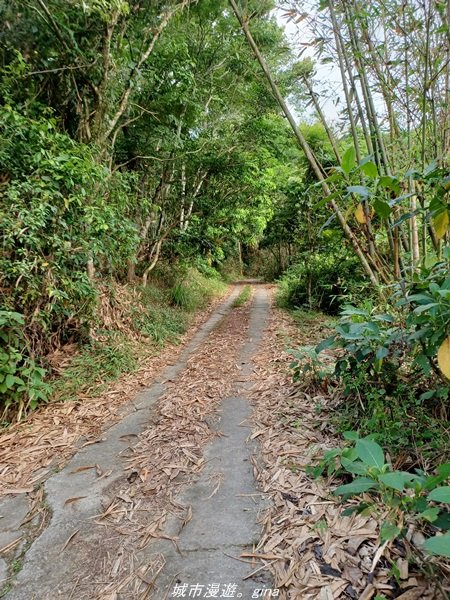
(243, 297)
(95, 366)
(307, 365)
(56, 186)
(22, 384)
(93, 190)
(428, 301)
(415, 495)
(386, 193)
(383, 372)
(192, 290)
(322, 281)
(160, 323)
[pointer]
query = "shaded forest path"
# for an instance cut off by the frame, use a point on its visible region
(166, 500)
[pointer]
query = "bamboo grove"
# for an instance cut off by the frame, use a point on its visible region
(393, 60)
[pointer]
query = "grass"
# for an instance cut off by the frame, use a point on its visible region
(162, 315)
(243, 297)
(194, 290)
(97, 364)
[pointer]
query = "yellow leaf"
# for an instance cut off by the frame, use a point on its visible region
(359, 214)
(441, 222)
(444, 357)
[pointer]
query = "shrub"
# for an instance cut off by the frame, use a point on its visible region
(57, 186)
(322, 282)
(22, 384)
(416, 495)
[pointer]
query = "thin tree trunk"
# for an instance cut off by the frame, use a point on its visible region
(322, 118)
(124, 100)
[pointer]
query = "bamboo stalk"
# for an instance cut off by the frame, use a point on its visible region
(305, 146)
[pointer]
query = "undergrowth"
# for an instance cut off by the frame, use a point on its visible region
(97, 364)
(243, 297)
(385, 380)
(131, 323)
(193, 290)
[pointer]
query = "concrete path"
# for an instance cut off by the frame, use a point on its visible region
(224, 518)
(225, 502)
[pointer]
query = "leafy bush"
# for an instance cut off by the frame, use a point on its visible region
(323, 282)
(413, 495)
(57, 186)
(22, 384)
(384, 381)
(428, 301)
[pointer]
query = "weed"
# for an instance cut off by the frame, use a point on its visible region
(17, 565)
(243, 297)
(193, 290)
(97, 364)
(5, 590)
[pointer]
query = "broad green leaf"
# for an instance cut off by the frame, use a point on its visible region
(348, 160)
(390, 182)
(349, 454)
(381, 353)
(396, 480)
(443, 521)
(382, 208)
(354, 466)
(359, 508)
(324, 344)
(430, 514)
(443, 473)
(351, 435)
(389, 531)
(439, 544)
(359, 485)
(370, 453)
(10, 381)
(370, 169)
(440, 494)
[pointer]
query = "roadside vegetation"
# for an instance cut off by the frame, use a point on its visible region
(243, 297)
